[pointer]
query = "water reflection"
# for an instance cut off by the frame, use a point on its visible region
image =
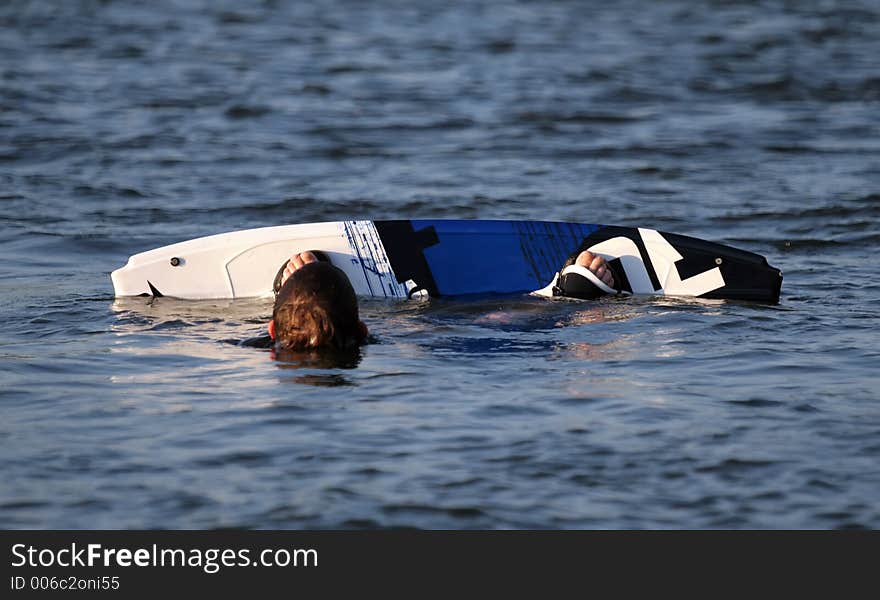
(310, 361)
(619, 349)
(158, 310)
(426, 330)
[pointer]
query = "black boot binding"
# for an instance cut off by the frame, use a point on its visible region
(575, 281)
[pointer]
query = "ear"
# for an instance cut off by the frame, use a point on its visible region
(362, 330)
(271, 329)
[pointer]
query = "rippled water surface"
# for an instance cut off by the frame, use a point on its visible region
(126, 126)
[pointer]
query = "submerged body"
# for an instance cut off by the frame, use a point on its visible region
(316, 307)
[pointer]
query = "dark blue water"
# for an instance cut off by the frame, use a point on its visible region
(125, 126)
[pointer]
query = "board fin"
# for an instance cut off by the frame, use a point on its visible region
(156, 293)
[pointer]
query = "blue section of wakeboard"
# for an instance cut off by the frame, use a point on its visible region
(472, 257)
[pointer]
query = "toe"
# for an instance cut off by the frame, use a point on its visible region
(288, 271)
(598, 265)
(584, 258)
(608, 278)
(297, 261)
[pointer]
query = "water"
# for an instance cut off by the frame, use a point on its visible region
(125, 126)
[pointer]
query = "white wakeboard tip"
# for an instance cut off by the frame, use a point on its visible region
(243, 264)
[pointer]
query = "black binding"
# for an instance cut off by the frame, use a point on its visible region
(575, 285)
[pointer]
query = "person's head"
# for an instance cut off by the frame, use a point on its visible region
(317, 308)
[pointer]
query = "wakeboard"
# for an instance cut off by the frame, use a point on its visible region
(407, 258)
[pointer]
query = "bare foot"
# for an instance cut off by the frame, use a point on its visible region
(597, 265)
(296, 262)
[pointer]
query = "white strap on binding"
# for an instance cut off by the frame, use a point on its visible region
(585, 272)
(547, 292)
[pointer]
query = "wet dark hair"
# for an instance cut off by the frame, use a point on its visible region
(317, 308)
